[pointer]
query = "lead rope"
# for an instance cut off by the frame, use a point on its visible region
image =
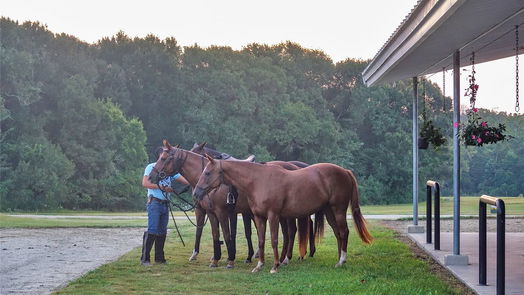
(166, 196)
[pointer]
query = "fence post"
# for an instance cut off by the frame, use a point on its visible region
(436, 188)
(501, 242)
(501, 247)
(482, 243)
(437, 216)
(428, 214)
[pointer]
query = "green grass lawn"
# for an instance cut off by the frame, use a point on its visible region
(385, 267)
(24, 222)
(468, 206)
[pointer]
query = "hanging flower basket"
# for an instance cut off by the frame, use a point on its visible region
(477, 132)
(430, 134)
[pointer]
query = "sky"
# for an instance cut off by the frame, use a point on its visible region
(340, 28)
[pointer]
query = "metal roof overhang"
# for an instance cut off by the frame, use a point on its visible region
(425, 41)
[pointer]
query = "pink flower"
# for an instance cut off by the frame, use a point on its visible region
(473, 137)
(475, 110)
(479, 140)
(456, 124)
(484, 124)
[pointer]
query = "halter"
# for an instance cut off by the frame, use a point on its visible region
(179, 162)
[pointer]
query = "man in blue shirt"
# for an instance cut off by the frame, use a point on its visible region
(157, 212)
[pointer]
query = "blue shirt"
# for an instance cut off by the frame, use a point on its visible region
(157, 193)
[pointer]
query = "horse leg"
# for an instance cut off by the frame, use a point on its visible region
(312, 246)
(273, 228)
(224, 223)
(342, 225)
(261, 232)
(217, 252)
(233, 228)
(330, 217)
(292, 231)
(246, 218)
(285, 238)
(200, 215)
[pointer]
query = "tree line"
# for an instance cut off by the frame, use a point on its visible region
(79, 121)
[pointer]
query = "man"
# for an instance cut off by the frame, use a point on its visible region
(157, 212)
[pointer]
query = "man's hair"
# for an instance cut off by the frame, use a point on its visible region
(158, 151)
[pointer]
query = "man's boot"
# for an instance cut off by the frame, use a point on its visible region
(159, 249)
(147, 244)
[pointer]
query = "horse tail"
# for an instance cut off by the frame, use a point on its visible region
(358, 218)
(319, 226)
(303, 235)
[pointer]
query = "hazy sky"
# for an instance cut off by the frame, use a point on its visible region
(340, 28)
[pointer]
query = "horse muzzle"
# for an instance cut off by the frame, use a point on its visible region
(199, 193)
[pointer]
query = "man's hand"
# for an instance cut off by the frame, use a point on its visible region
(166, 189)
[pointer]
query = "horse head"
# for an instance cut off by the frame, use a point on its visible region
(212, 177)
(168, 163)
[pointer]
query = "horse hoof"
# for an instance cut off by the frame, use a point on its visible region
(256, 269)
(230, 265)
(213, 264)
(247, 261)
(273, 270)
(285, 261)
(193, 257)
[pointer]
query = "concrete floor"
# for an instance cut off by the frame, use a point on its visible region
(469, 245)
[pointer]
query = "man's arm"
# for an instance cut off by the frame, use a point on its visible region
(148, 184)
(182, 180)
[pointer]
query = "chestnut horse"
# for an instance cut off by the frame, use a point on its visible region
(273, 191)
(307, 232)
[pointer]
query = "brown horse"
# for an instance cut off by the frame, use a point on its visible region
(307, 232)
(273, 192)
(191, 165)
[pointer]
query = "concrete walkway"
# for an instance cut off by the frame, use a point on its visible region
(469, 245)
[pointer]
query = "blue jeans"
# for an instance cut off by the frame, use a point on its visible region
(157, 218)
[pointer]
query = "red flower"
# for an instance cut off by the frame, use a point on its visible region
(475, 110)
(484, 124)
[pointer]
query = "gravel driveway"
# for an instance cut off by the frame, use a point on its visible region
(38, 261)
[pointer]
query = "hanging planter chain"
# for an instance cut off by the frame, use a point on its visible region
(443, 89)
(472, 89)
(517, 107)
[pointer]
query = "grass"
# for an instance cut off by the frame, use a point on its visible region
(25, 222)
(385, 267)
(468, 206)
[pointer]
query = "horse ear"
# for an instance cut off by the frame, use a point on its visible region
(177, 146)
(210, 158)
(167, 145)
(201, 146)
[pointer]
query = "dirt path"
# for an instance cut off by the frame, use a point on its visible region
(38, 261)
